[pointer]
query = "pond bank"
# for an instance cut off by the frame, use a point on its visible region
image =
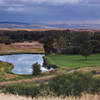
(17, 53)
(23, 62)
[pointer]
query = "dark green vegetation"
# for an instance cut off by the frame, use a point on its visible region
(73, 61)
(74, 84)
(62, 85)
(22, 89)
(36, 69)
(86, 49)
(55, 41)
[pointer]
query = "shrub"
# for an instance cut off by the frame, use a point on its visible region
(22, 89)
(36, 69)
(47, 64)
(74, 84)
(93, 71)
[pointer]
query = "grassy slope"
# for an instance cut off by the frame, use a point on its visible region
(74, 61)
(5, 70)
(5, 67)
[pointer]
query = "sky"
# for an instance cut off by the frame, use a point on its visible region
(52, 11)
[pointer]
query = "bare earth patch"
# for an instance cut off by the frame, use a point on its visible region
(24, 47)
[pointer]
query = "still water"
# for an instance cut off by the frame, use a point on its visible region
(23, 62)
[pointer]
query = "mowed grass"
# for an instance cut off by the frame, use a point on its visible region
(74, 61)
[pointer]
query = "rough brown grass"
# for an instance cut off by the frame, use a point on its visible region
(24, 47)
(83, 97)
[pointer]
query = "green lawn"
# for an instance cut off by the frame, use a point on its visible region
(74, 61)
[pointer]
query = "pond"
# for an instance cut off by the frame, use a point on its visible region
(23, 62)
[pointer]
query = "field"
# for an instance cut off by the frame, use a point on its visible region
(74, 61)
(24, 47)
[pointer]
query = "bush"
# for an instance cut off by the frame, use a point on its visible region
(36, 69)
(22, 89)
(93, 71)
(74, 84)
(47, 64)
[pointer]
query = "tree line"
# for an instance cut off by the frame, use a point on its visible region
(56, 41)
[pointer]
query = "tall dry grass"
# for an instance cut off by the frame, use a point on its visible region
(83, 97)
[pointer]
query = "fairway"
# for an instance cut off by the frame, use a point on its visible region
(74, 61)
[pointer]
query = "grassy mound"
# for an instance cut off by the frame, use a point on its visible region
(5, 67)
(5, 70)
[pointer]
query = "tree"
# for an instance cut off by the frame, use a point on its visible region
(36, 69)
(60, 43)
(80, 37)
(48, 45)
(86, 49)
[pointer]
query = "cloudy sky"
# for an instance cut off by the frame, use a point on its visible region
(32, 11)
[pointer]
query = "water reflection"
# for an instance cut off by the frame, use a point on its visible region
(23, 62)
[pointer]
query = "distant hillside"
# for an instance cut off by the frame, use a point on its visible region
(17, 23)
(22, 25)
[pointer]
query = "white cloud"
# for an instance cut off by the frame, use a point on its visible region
(10, 9)
(16, 9)
(42, 1)
(51, 1)
(23, 5)
(55, 2)
(1, 2)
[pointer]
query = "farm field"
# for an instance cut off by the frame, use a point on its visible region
(74, 61)
(24, 47)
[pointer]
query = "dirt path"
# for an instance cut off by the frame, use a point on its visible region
(28, 81)
(36, 80)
